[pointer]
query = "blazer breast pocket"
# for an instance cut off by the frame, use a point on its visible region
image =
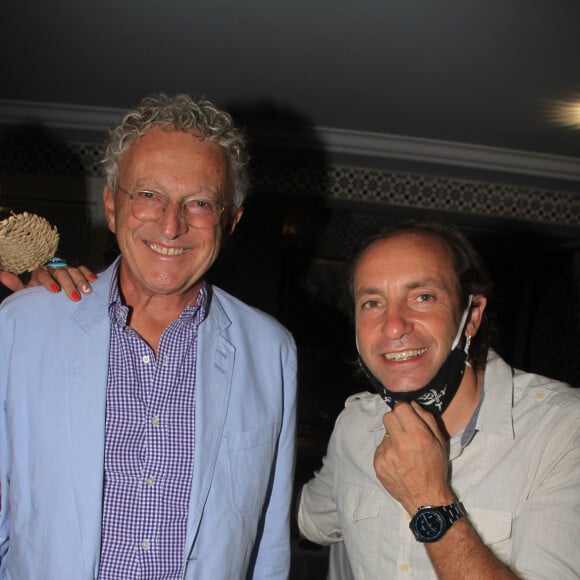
(250, 455)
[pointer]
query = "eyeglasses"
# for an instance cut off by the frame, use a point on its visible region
(149, 206)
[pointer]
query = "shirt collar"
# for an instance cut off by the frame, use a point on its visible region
(469, 431)
(119, 312)
(495, 415)
(494, 410)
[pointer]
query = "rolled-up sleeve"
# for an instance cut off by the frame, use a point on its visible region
(317, 511)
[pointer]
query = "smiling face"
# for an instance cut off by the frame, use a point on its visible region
(407, 309)
(167, 256)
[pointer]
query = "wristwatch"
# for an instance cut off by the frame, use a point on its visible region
(431, 522)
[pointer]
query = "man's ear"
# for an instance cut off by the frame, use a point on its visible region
(475, 314)
(109, 203)
(231, 226)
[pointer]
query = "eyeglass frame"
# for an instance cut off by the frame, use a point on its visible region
(218, 207)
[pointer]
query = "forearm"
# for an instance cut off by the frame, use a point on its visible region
(460, 553)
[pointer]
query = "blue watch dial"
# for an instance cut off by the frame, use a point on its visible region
(428, 525)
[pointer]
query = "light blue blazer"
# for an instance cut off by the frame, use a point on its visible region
(53, 377)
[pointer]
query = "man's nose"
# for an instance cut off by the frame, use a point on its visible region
(396, 322)
(173, 222)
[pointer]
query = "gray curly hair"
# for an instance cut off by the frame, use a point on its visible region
(180, 113)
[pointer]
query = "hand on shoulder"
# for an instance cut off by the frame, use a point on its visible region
(73, 281)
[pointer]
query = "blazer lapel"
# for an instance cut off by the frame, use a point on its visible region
(215, 363)
(86, 374)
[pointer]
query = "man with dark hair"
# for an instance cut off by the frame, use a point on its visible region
(460, 466)
(148, 432)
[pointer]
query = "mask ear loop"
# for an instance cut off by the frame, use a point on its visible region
(462, 323)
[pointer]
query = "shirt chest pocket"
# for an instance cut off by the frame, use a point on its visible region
(495, 529)
(365, 509)
(250, 456)
(360, 520)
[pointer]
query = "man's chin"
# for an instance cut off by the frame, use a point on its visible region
(405, 386)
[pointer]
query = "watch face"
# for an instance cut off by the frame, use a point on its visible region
(428, 525)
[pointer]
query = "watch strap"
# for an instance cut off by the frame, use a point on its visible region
(453, 512)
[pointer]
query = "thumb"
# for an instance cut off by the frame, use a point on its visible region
(430, 420)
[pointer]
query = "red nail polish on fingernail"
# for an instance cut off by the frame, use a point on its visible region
(54, 288)
(92, 277)
(75, 296)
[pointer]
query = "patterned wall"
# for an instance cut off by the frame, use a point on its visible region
(344, 183)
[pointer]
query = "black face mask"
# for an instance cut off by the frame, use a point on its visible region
(436, 395)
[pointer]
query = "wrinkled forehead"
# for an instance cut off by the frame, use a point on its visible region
(181, 153)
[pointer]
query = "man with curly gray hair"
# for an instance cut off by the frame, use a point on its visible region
(180, 113)
(148, 431)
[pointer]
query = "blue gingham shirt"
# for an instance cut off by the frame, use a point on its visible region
(149, 446)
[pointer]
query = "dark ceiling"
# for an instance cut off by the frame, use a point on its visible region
(479, 72)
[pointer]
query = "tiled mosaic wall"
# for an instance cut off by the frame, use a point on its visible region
(340, 183)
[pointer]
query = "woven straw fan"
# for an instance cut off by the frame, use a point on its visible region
(26, 241)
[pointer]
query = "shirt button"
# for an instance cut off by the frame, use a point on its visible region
(145, 544)
(146, 359)
(150, 480)
(155, 421)
(404, 567)
(540, 395)
(165, 360)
